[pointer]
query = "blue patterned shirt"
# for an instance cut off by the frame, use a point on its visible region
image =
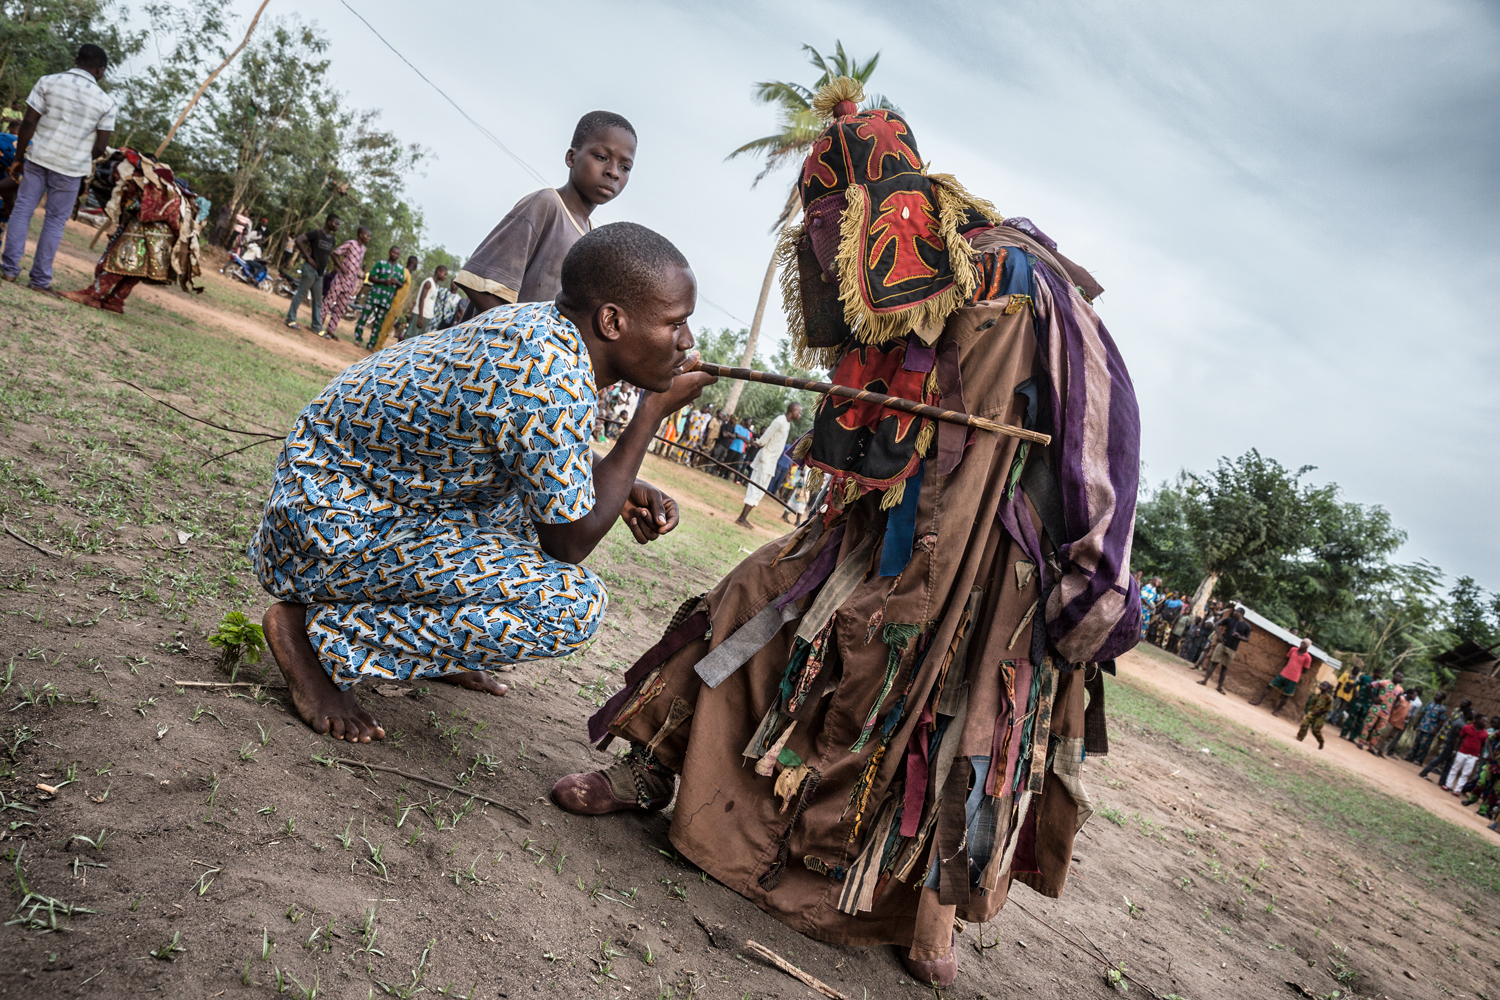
(491, 418)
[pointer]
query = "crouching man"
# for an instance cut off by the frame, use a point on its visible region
(430, 508)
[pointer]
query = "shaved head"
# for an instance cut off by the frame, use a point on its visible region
(622, 262)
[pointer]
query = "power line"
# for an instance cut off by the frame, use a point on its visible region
(482, 130)
(490, 135)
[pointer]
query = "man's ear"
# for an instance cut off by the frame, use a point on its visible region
(610, 322)
(568, 158)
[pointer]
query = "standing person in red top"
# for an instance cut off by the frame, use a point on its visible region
(1470, 739)
(1285, 683)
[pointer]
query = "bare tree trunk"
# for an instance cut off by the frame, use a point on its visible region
(211, 77)
(748, 360)
(1204, 592)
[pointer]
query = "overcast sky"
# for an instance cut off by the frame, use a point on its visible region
(1293, 207)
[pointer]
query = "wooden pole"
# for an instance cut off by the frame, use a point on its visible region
(880, 399)
(211, 77)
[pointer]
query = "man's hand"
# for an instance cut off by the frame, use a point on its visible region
(649, 512)
(16, 168)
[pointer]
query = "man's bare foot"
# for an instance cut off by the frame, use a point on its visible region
(743, 523)
(318, 702)
(476, 680)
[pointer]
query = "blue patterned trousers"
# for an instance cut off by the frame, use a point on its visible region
(390, 599)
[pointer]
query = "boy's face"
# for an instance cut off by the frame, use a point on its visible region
(654, 336)
(600, 170)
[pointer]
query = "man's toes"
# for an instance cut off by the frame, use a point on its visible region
(335, 727)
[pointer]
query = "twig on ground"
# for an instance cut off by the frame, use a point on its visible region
(217, 684)
(433, 781)
(233, 430)
(762, 951)
(26, 541)
(1101, 958)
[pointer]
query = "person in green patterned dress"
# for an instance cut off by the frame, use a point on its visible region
(385, 278)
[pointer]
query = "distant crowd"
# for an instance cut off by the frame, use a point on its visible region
(723, 445)
(1381, 715)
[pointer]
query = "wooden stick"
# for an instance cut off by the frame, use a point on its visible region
(879, 398)
(762, 951)
(211, 78)
(433, 781)
(217, 684)
(26, 541)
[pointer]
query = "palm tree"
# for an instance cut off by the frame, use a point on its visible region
(799, 126)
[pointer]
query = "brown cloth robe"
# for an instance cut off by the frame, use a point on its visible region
(727, 819)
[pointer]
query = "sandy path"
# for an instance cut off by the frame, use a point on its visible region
(1396, 777)
(214, 309)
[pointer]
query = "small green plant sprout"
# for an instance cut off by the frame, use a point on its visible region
(1112, 814)
(37, 912)
(97, 843)
(292, 913)
(169, 951)
(367, 934)
(238, 640)
(1134, 909)
(205, 880)
(289, 828)
(248, 752)
(346, 838)
(265, 734)
(267, 944)
(1118, 979)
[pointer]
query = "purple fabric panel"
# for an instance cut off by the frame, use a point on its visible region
(1017, 521)
(817, 571)
(1120, 453)
(654, 657)
(1025, 225)
(919, 357)
(952, 438)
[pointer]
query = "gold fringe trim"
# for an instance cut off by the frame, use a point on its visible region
(851, 491)
(871, 327)
(839, 89)
(814, 481)
(924, 438)
(930, 386)
(893, 496)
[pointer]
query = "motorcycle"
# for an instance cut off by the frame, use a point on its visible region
(251, 272)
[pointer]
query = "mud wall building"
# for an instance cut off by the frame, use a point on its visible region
(1263, 655)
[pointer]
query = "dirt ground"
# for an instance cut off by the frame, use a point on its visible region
(208, 844)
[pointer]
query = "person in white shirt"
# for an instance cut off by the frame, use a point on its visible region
(764, 467)
(69, 119)
(424, 307)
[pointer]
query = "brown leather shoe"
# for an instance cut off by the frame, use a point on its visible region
(628, 783)
(939, 972)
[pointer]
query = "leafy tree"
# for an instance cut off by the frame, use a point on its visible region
(759, 403)
(1246, 516)
(278, 142)
(1472, 616)
(797, 127)
(151, 100)
(42, 36)
(1165, 545)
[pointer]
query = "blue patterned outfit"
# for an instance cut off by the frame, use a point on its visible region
(403, 506)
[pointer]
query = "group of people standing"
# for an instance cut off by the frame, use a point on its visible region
(60, 154)
(390, 302)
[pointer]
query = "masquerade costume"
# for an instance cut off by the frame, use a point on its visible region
(156, 234)
(886, 707)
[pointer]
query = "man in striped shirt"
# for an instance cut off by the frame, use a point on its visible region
(67, 126)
